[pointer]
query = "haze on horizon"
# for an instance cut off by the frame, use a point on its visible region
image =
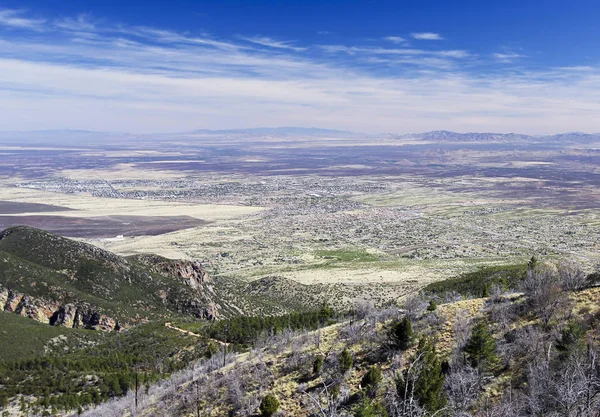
(142, 67)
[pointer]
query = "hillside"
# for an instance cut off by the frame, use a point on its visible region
(510, 354)
(60, 281)
(63, 282)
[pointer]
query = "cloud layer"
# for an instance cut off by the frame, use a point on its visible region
(81, 73)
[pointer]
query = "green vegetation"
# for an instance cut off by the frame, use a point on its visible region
(103, 370)
(401, 334)
(369, 409)
(372, 378)
(317, 365)
(424, 379)
(346, 255)
(571, 340)
(346, 361)
(474, 284)
(60, 270)
(269, 405)
(23, 338)
(481, 347)
(244, 330)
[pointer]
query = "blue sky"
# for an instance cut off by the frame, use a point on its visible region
(371, 66)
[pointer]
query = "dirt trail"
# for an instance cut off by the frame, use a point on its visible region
(170, 326)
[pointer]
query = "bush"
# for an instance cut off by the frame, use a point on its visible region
(432, 306)
(346, 361)
(424, 380)
(269, 405)
(401, 334)
(318, 365)
(472, 284)
(571, 339)
(368, 409)
(481, 347)
(372, 378)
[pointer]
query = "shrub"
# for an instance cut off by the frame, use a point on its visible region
(481, 347)
(571, 339)
(368, 409)
(372, 378)
(401, 334)
(432, 306)
(269, 405)
(318, 365)
(346, 361)
(423, 380)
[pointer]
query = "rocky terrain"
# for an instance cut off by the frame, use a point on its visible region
(66, 283)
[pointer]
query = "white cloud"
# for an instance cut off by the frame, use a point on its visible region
(14, 19)
(81, 23)
(272, 43)
(427, 36)
(507, 57)
(395, 39)
(140, 79)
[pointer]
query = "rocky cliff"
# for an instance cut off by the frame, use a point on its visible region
(67, 283)
(49, 312)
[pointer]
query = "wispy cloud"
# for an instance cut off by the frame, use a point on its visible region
(395, 39)
(81, 23)
(427, 36)
(93, 74)
(353, 50)
(14, 19)
(272, 43)
(507, 57)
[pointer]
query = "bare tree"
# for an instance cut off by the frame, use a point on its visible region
(572, 277)
(462, 387)
(329, 401)
(543, 288)
(414, 306)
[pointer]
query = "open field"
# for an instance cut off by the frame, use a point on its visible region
(332, 211)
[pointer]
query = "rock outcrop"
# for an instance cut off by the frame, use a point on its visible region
(69, 315)
(191, 273)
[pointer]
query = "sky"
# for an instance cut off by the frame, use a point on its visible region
(149, 66)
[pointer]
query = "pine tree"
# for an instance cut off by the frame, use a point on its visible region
(318, 365)
(371, 380)
(401, 334)
(424, 381)
(533, 262)
(346, 361)
(571, 340)
(369, 409)
(481, 347)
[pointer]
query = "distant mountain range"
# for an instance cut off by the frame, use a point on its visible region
(447, 136)
(285, 131)
(74, 137)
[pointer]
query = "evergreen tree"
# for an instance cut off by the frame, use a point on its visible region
(481, 347)
(533, 262)
(325, 314)
(401, 334)
(571, 340)
(346, 361)
(371, 380)
(318, 365)
(368, 409)
(425, 380)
